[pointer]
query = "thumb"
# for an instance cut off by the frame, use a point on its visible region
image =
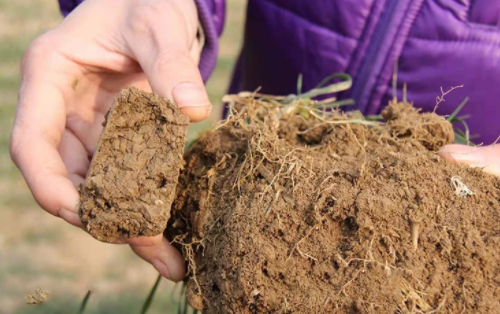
(161, 254)
(487, 157)
(163, 52)
(175, 76)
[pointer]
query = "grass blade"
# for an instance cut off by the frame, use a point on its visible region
(190, 144)
(84, 301)
(460, 137)
(149, 299)
(299, 85)
(376, 117)
(332, 88)
(454, 114)
(186, 307)
(336, 104)
(183, 306)
(467, 132)
(343, 76)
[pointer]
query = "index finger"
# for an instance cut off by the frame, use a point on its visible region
(37, 132)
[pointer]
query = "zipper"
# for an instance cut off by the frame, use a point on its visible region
(373, 53)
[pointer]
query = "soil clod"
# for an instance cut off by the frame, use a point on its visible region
(37, 297)
(132, 178)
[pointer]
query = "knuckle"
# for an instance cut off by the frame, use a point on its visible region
(172, 57)
(143, 17)
(39, 47)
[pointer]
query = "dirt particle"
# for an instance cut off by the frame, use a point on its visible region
(36, 297)
(195, 301)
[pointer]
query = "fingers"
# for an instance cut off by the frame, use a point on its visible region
(37, 131)
(174, 75)
(192, 100)
(487, 157)
(70, 217)
(162, 48)
(161, 254)
(75, 157)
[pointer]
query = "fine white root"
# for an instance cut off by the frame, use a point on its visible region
(415, 230)
(461, 190)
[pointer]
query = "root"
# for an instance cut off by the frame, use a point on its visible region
(461, 190)
(414, 230)
(363, 150)
(296, 246)
(413, 298)
(188, 252)
(440, 99)
(192, 265)
(337, 122)
(342, 290)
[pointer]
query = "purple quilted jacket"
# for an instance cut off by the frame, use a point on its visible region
(438, 43)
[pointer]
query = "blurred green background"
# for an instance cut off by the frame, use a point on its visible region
(40, 251)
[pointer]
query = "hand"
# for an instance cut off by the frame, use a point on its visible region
(487, 157)
(69, 78)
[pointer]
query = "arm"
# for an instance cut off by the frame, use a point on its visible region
(211, 14)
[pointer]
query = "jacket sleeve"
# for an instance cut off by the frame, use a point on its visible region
(211, 14)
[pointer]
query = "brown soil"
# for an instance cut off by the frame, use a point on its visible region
(36, 297)
(132, 179)
(310, 214)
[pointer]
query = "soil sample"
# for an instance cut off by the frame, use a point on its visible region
(317, 212)
(131, 183)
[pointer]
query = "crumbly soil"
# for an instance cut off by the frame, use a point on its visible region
(131, 183)
(307, 214)
(36, 297)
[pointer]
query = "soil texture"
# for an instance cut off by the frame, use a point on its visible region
(132, 179)
(291, 209)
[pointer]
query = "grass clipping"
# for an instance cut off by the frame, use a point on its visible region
(290, 206)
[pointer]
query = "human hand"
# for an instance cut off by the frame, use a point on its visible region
(487, 157)
(69, 78)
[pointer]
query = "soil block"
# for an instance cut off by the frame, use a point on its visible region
(131, 183)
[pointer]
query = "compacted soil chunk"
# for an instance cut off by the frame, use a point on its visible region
(132, 178)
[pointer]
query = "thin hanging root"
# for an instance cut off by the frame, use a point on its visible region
(188, 251)
(461, 190)
(415, 298)
(414, 230)
(440, 99)
(296, 246)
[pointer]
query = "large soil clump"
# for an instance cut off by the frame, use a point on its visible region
(133, 175)
(288, 209)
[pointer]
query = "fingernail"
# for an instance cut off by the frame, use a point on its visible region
(162, 268)
(70, 217)
(471, 157)
(188, 94)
